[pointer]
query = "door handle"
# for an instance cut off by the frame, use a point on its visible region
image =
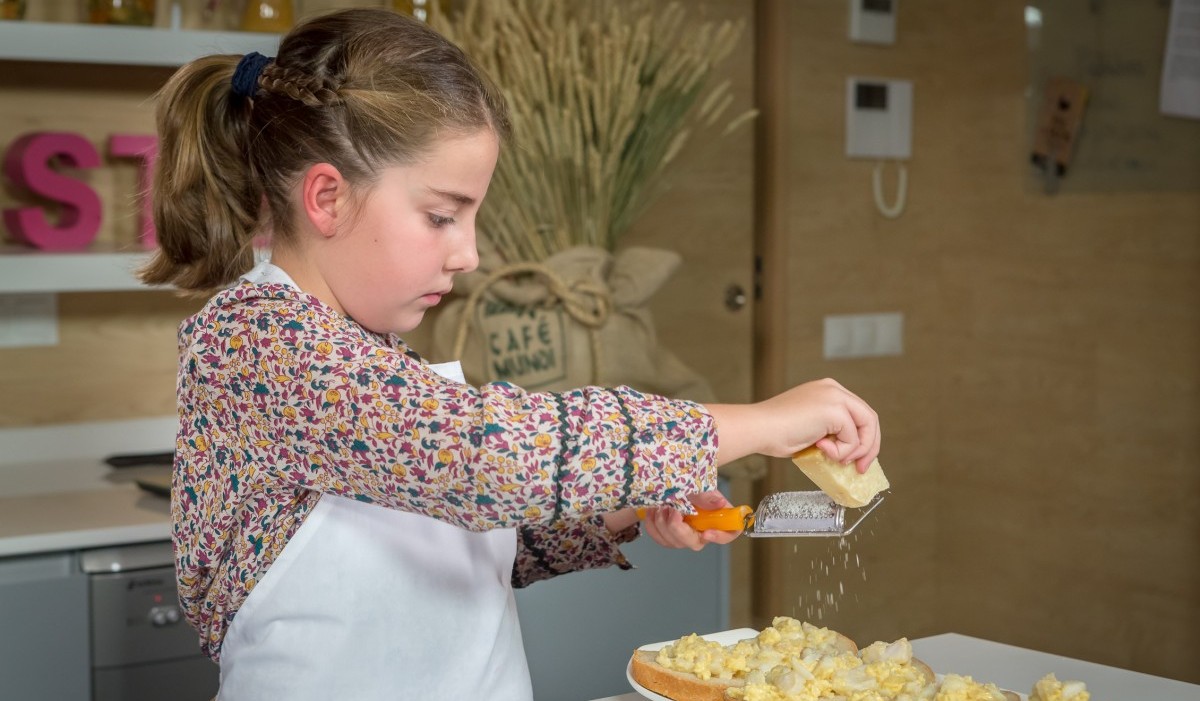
(735, 297)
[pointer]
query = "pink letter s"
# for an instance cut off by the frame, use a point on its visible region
(27, 164)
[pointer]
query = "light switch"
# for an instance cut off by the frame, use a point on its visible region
(864, 335)
(28, 320)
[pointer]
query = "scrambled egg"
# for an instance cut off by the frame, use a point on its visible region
(1049, 688)
(703, 658)
(786, 632)
(784, 638)
(771, 648)
(954, 687)
(795, 661)
(881, 672)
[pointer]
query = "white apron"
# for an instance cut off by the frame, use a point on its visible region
(367, 603)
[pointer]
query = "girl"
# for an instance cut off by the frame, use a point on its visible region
(347, 522)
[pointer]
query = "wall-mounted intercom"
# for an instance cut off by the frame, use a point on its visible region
(873, 21)
(879, 118)
(879, 126)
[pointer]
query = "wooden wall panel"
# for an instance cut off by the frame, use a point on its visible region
(1041, 425)
(115, 359)
(116, 353)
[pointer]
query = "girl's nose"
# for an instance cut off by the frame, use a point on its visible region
(464, 257)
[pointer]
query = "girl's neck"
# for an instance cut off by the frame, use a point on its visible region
(306, 276)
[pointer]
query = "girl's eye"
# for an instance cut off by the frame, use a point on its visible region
(439, 221)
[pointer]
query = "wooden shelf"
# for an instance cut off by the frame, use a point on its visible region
(30, 270)
(60, 42)
(26, 270)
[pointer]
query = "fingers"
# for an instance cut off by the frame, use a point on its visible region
(667, 527)
(856, 437)
(709, 500)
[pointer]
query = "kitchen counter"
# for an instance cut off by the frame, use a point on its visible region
(1017, 668)
(58, 521)
(57, 493)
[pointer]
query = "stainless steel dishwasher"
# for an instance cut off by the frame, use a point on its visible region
(142, 648)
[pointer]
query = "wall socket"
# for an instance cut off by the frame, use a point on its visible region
(864, 335)
(28, 320)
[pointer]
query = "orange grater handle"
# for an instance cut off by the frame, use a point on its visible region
(733, 518)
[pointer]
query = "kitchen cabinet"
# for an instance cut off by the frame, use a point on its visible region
(44, 618)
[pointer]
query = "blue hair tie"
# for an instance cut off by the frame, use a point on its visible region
(245, 76)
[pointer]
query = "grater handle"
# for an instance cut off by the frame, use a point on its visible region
(733, 518)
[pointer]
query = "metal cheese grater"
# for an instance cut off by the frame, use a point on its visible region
(800, 514)
(784, 514)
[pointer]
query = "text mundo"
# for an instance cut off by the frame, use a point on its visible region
(32, 162)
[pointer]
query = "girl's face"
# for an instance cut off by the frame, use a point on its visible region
(414, 232)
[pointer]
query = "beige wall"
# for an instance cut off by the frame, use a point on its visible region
(1041, 427)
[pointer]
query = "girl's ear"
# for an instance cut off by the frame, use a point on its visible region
(323, 195)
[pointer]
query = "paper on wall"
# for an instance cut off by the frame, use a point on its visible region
(1180, 92)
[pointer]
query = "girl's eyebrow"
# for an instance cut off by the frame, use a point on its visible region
(456, 196)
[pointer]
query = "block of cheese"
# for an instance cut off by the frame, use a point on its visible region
(843, 483)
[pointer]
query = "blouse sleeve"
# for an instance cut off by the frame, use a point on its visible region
(546, 550)
(282, 394)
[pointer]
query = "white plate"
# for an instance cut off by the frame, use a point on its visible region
(725, 637)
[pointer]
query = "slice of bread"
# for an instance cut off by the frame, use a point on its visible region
(843, 483)
(681, 686)
(685, 686)
(930, 677)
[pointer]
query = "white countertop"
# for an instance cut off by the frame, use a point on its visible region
(39, 523)
(56, 492)
(1016, 668)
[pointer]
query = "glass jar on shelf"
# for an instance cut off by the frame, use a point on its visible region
(421, 9)
(211, 15)
(272, 16)
(129, 12)
(12, 9)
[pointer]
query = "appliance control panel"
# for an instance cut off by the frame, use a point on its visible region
(163, 615)
(136, 618)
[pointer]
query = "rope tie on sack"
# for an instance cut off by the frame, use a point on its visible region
(586, 301)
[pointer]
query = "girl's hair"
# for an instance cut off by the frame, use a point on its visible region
(360, 89)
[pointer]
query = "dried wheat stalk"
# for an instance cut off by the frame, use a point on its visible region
(603, 96)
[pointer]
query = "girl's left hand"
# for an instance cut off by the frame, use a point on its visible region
(667, 527)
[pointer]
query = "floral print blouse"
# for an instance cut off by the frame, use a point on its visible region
(282, 399)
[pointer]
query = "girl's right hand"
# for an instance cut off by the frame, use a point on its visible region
(821, 412)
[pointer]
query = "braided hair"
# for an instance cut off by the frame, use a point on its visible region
(361, 89)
